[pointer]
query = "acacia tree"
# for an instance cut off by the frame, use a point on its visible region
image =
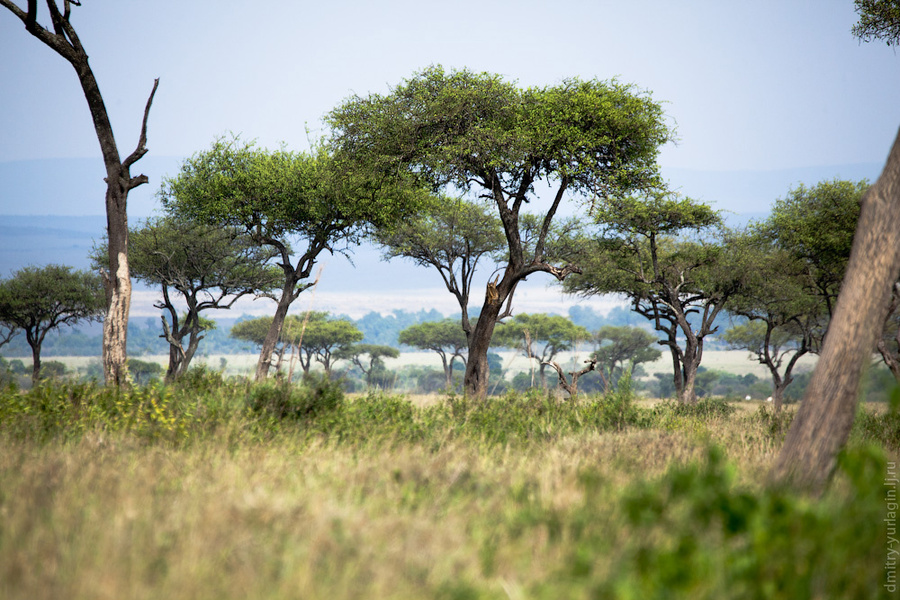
(815, 226)
(786, 320)
(64, 40)
(373, 364)
(679, 284)
(475, 132)
(323, 339)
(205, 267)
(444, 337)
(39, 300)
(451, 235)
(255, 332)
(618, 346)
(282, 200)
(553, 334)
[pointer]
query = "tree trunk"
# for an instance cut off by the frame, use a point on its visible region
(823, 423)
(688, 392)
(63, 40)
(477, 370)
(268, 346)
(35, 363)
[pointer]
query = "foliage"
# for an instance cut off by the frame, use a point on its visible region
(878, 19)
(645, 252)
(815, 225)
(446, 337)
(204, 267)
(551, 333)
(619, 346)
(281, 199)
(315, 397)
(475, 132)
(39, 300)
(452, 236)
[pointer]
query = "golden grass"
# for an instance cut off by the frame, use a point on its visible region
(108, 517)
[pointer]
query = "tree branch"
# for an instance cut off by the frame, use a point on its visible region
(141, 149)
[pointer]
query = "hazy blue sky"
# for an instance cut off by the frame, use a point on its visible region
(759, 86)
(751, 85)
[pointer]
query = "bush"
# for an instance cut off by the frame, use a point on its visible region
(317, 395)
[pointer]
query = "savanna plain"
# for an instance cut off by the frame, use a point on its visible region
(218, 488)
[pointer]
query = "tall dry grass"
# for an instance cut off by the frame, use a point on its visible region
(287, 513)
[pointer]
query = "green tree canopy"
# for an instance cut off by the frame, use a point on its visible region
(38, 300)
(786, 320)
(369, 358)
(816, 225)
(621, 345)
(476, 133)
(444, 337)
(878, 19)
(451, 235)
(299, 204)
(666, 255)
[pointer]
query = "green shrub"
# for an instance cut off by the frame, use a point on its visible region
(317, 395)
(694, 533)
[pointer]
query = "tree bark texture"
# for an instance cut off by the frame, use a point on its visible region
(823, 422)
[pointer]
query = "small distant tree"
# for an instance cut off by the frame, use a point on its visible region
(444, 337)
(143, 372)
(39, 300)
(619, 347)
(316, 337)
(369, 358)
(541, 337)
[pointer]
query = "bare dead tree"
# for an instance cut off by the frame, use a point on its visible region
(822, 425)
(63, 40)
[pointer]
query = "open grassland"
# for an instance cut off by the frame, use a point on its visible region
(219, 489)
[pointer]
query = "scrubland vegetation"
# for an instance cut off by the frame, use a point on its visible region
(216, 488)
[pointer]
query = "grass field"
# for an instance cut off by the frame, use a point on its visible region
(225, 490)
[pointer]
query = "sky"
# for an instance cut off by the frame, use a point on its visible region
(757, 91)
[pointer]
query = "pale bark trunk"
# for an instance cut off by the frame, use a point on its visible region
(823, 422)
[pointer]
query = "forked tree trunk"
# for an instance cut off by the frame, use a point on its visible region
(823, 423)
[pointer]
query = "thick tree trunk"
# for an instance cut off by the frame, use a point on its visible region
(118, 290)
(823, 423)
(688, 392)
(477, 370)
